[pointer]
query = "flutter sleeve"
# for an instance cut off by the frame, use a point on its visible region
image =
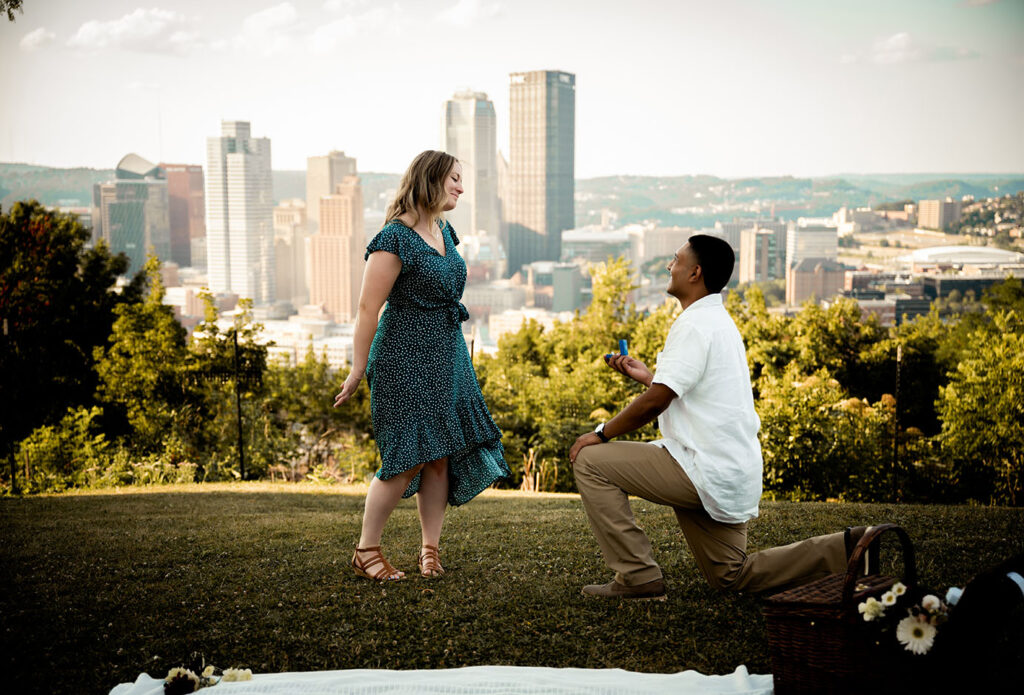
(451, 230)
(393, 238)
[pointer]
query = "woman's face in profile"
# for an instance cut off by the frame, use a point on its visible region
(453, 186)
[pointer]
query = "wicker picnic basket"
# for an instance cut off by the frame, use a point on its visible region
(816, 638)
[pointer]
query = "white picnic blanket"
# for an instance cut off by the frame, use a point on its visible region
(481, 680)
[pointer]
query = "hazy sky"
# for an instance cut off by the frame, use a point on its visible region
(663, 87)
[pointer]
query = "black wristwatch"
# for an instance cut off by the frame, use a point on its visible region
(600, 433)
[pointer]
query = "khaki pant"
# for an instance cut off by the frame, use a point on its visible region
(606, 474)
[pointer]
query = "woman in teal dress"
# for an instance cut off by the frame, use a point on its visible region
(436, 438)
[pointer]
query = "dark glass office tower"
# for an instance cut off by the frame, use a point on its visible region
(542, 166)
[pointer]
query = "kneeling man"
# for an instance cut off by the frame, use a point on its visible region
(707, 467)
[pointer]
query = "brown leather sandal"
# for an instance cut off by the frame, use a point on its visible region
(430, 562)
(386, 573)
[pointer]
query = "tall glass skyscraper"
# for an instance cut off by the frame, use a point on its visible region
(469, 133)
(542, 166)
(239, 213)
(131, 212)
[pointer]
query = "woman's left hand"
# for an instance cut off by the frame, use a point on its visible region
(347, 389)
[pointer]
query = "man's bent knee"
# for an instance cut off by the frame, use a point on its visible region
(584, 463)
(725, 577)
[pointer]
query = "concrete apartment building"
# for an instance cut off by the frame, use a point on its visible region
(938, 214)
(239, 214)
(186, 199)
(812, 250)
(469, 133)
(762, 257)
(335, 254)
(542, 165)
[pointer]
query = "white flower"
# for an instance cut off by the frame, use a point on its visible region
(930, 603)
(914, 635)
(889, 598)
(208, 671)
(237, 674)
(871, 608)
(953, 595)
(183, 674)
(899, 588)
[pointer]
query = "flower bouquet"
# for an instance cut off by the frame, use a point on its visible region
(897, 620)
(198, 674)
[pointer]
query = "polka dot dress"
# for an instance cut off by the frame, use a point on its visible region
(424, 397)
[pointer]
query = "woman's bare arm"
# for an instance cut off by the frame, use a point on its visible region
(382, 269)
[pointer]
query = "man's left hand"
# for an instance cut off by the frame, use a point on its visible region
(582, 441)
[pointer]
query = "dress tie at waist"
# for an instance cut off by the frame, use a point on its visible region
(456, 311)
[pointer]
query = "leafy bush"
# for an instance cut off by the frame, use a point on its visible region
(54, 458)
(819, 443)
(124, 469)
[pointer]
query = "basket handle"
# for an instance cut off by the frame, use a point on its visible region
(869, 537)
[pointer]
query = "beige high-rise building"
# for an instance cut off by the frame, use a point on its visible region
(938, 214)
(335, 254)
(323, 174)
(542, 161)
(290, 233)
(469, 133)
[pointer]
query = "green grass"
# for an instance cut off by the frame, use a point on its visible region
(97, 588)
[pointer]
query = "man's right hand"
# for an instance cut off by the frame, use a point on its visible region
(633, 368)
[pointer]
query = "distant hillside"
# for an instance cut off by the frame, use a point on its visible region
(71, 187)
(695, 201)
(698, 201)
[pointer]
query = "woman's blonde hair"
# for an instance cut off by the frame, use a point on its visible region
(422, 186)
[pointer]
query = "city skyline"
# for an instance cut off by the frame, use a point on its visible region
(734, 88)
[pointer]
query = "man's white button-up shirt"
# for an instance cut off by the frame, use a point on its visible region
(711, 427)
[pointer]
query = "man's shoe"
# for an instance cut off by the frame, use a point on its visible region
(648, 591)
(851, 537)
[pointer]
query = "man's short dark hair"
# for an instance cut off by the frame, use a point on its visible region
(716, 260)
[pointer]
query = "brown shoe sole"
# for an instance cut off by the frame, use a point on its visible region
(630, 597)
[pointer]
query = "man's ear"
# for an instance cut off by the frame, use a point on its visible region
(698, 273)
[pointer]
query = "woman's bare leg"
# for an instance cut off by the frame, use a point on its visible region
(381, 499)
(432, 501)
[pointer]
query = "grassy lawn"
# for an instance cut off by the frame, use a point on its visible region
(97, 588)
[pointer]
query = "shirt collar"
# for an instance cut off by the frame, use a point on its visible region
(706, 302)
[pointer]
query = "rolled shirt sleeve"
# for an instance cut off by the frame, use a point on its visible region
(682, 363)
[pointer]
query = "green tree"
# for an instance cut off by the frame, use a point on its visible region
(982, 411)
(839, 340)
(546, 387)
(56, 457)
(141, 372)
(230, 365)
(9, 6)
(819, 443)
(57, 303)
(768, 337)
(301, 398)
